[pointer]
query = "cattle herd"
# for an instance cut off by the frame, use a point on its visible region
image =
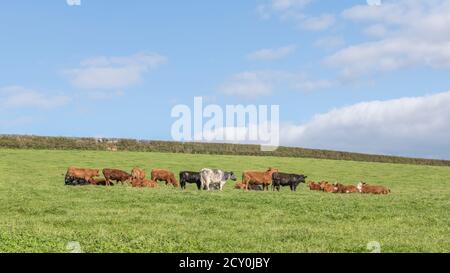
(211, 179)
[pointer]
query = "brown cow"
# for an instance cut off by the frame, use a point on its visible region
(138, 174)
(82, 173)
(258, 178)
(314, 186)
(166, 176)
(241, 186)
(330, 188)
(346, 189)
(373, 189)
(144, 183)
(322, 185)
(98, 181)
(116, 175)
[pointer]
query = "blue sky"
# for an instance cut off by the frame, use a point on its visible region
(347, 75)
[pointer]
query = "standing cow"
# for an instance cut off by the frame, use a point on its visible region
(164, 175)
(82, 173)
(258, 178)
(212, 176)
(116, 175)
(190, 177)
(287, 179)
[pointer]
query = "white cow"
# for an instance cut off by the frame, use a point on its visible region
(213, 176)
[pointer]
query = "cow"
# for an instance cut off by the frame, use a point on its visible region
(287, 179)
(328, 187)
(116, 175)
(190, 177)
(314, 186)
(241, 186)
(373, 189)
(143, 183)
(137, 174)
(82, 173)
(258, 178)
(164, 175)
(209, 176)
(98, 182)
(346, 189)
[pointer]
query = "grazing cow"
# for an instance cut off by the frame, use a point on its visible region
(258, 178)
(241, 186)
(209, 176)
(137, 174)
(346, 189)
(287, 179)
(314, 186)
(164, 175)
(83, 173)
(190, 177)
(116, 175)
(373, 189)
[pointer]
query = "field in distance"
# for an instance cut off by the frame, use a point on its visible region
(40, 214)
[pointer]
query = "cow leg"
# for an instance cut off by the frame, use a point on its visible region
(199, 186)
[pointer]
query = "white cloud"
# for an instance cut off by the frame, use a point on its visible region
(20, 97)
(249, 84)
(252, 84)
(272, 53)
(113, 72)
(330, 42)
(410, 33)
(414, 126)
(293, 10)
(317, 23)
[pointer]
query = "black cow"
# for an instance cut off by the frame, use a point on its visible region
(190, 177)
(286, 179)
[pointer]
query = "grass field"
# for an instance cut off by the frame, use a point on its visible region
(39, 214)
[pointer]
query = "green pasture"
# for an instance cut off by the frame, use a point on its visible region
(38, 213)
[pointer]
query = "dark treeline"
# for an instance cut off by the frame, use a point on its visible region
(68, 143)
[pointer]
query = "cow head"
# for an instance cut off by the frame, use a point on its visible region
(360, 186)
(323, 184)
(302, 179)
(231, 176)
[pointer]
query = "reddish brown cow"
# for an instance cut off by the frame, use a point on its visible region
(98, 181)
(346, 188)
(314, 186)
(83, 173)
(116, 175)
(330, 188)
(373, 189)
(166, 176)
(138, 174)
(322, 185)
(258, 178)
(144, 183)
